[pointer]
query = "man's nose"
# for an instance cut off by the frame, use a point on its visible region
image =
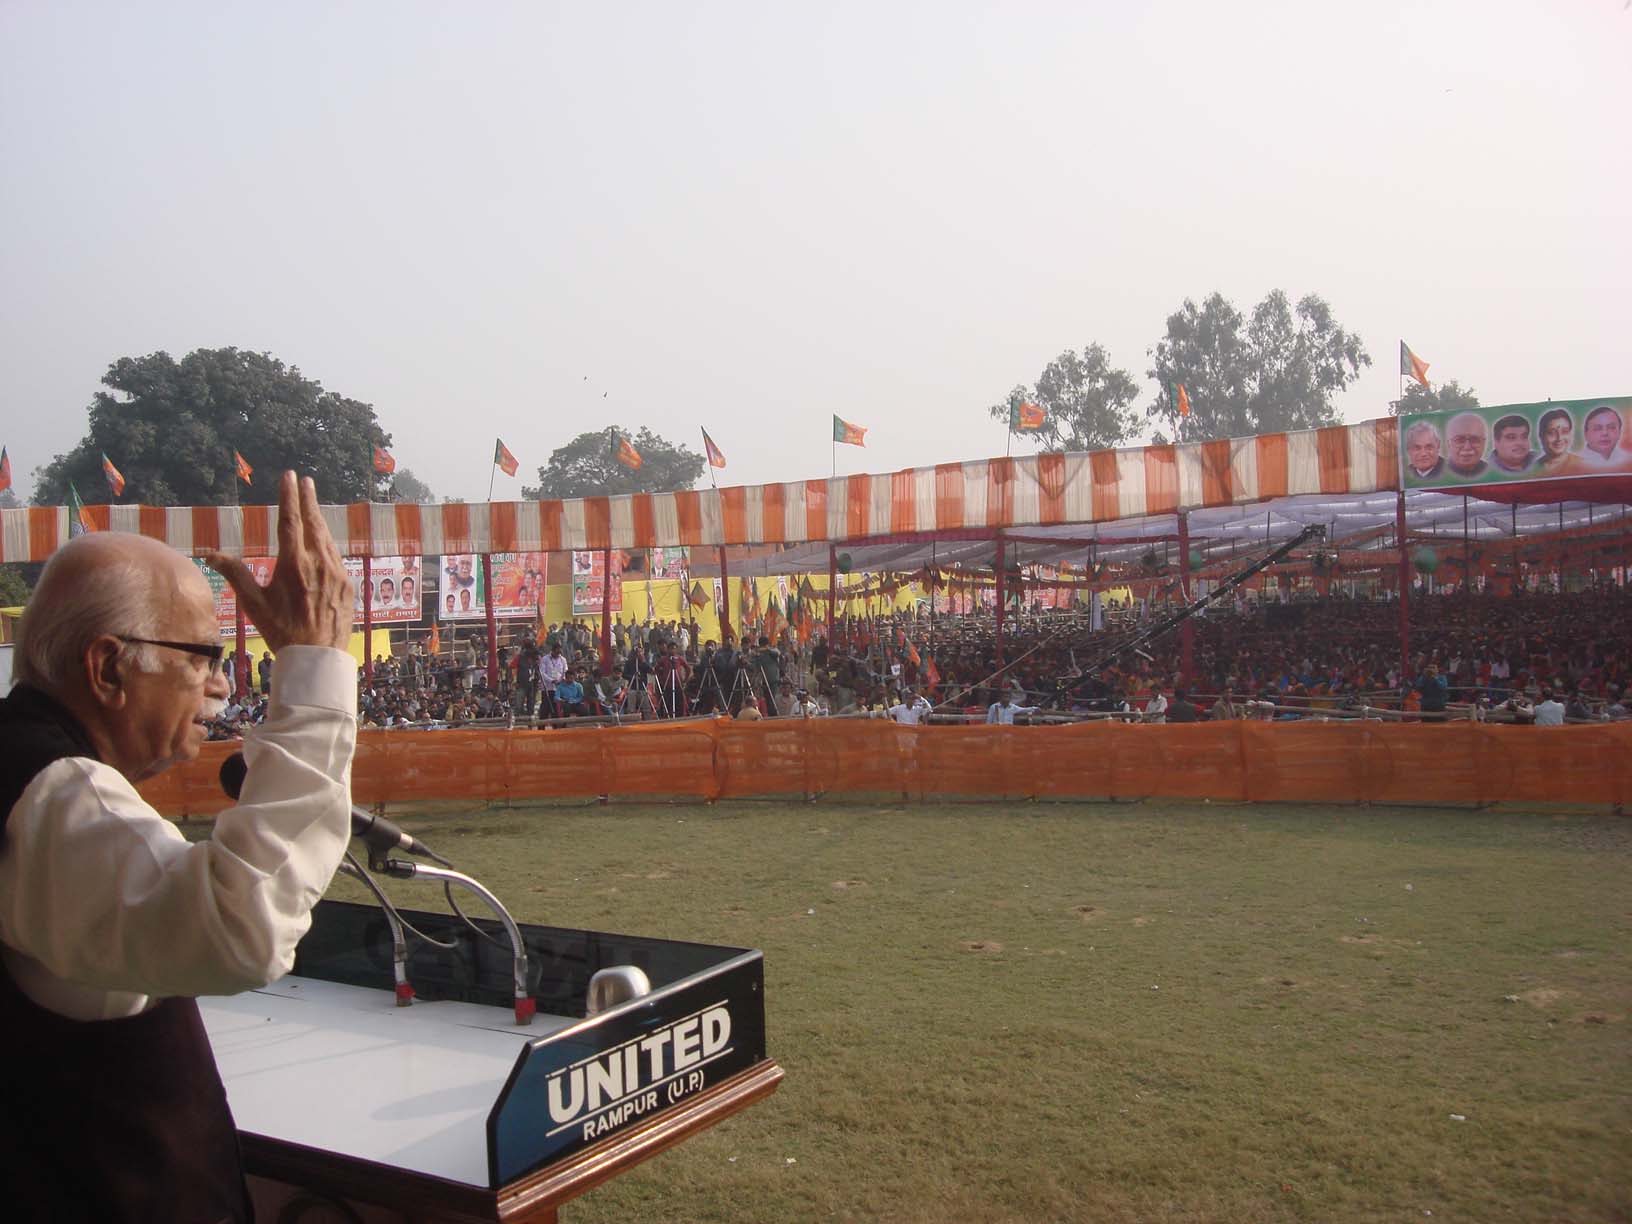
(217, 686)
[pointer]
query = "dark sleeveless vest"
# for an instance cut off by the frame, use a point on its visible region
(106, 1120)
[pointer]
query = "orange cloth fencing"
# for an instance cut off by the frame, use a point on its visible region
(1308, 762)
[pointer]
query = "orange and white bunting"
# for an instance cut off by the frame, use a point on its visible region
(1023, 491)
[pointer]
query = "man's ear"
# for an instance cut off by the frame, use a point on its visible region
(104, 671)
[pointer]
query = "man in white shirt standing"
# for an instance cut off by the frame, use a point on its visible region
(910, 710)
(111, 922)
(1001, 712)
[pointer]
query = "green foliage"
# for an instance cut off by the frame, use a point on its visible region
(1276, 370)
(14, 586)
(1089, 403)
(1447, 397)
(171, 427)
(585, 467)
(406, 487)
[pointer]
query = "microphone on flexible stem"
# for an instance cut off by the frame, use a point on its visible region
(377, 833)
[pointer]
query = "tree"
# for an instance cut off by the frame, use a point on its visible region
(1274, 371)
(14, 586)
(1089, 404)
(406, 487)
(585, 467)
(171, 427)
(1447, 397)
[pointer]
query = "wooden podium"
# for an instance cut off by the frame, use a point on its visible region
(350, 1107)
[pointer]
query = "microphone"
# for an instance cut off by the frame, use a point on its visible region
(377, 833)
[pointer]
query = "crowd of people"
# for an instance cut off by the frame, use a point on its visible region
(1527, 657)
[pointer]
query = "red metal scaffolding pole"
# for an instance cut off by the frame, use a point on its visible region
(832, 588)
(725, 599)
(1187, 631)
(1405, 590)
(492, 624)
(606, 612)
(368, 618)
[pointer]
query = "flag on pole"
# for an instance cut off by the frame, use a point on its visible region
(1027, 418)
(434, 646)
(1413, 365)
(698, 597)
(384, 464)
(625, 453)
(502, 457)
(850, 435)
(1181, 399)
(245, 472)
(716, 457)
(79, 518)
(116, 480)
(5, 469)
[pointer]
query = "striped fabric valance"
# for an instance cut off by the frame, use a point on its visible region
(1025, 491)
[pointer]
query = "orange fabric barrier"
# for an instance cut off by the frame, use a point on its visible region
(1308, 762)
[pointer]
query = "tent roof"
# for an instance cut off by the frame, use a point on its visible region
(1217, 532)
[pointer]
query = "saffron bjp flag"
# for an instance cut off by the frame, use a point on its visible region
(625, 453)
(245, 472)
(850, 435)
(5, 469)
(116, 479)
(434, 645)
(1027, 418)
(384, 464)
(1413, 365)
(507, 463)
(716, 457)
(1181, 399)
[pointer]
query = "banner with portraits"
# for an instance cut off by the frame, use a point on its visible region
(397, 582)
(518, 586)
(1555, 440)
(589, 582)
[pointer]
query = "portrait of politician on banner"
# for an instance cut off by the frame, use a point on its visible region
(518, 586)
(1516, 442)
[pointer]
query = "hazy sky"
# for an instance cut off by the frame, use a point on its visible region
(751, 216)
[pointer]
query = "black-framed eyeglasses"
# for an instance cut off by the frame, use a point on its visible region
(214, 654)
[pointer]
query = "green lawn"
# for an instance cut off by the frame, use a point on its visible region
(1124, 1012)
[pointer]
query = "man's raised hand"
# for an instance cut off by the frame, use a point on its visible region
(309, 601)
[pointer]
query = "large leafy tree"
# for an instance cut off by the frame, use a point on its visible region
(171, 427)
(1089, 403)
(406, 487)
(1276, 369)
(587, 467)
(1447, 397)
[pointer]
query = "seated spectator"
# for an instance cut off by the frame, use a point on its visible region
(569, 696)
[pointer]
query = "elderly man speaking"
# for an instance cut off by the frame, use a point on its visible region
(111, 922)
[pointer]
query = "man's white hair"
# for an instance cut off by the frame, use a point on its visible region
(1420, 428)
(54, 632)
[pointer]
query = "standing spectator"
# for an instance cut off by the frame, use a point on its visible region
(1435, 691)
(265, 669)
(1181, 711)
(1549, 711)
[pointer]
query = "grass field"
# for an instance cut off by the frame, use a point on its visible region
(1125, 1012)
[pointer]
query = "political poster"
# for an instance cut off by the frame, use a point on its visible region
(397, 583)
(518, 586)
(1508, 443)
(589, 582)
(669, 562)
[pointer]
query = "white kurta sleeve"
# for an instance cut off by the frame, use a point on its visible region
(99, 893)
